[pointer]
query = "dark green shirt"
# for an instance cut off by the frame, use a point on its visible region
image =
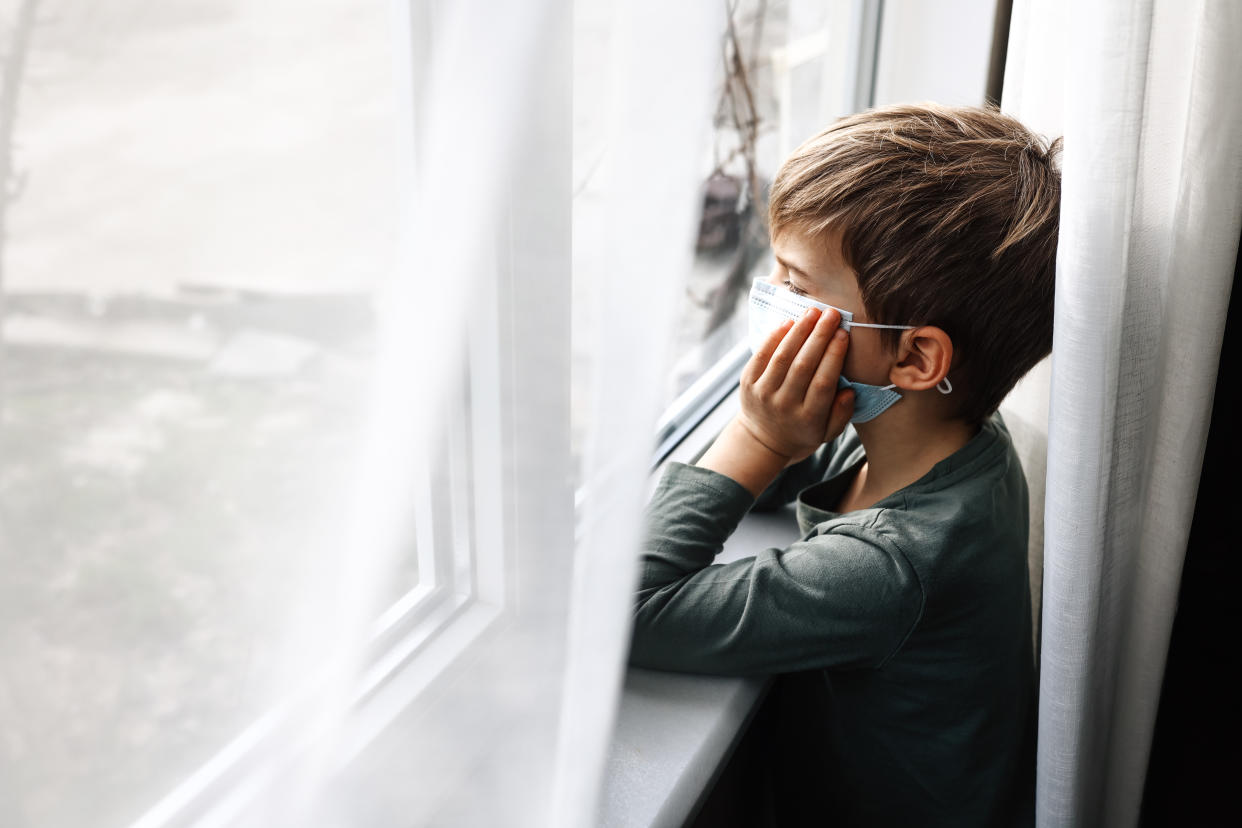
(916, 611)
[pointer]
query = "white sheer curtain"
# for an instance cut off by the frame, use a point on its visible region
(519, 732)
(1152, 204)
(634, 225)
(445, 711)
(288, 485)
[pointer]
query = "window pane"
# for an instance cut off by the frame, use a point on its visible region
(731, 244)
(787, 69)
(203, 202)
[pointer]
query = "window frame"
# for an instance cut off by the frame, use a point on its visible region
(468, 590)
(465, 592)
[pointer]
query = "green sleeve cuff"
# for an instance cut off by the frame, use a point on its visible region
(691, 515)
(730, 497)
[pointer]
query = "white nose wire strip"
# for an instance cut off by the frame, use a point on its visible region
(784, 301)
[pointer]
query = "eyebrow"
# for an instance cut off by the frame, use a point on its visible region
(791, 266)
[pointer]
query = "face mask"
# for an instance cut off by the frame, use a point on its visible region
(770, 306)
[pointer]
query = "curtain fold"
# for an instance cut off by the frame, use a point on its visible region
(1151, 208)
(634, 223)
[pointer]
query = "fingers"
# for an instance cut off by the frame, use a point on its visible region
(758, 363)
(824, 382)
(808, 365)
(842, 410)
(788, 351)
(789, 387)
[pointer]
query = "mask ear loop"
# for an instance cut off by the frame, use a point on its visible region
(849, 324)
(846, 324)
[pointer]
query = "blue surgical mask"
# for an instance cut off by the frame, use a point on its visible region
(870, 401)
(771, 306)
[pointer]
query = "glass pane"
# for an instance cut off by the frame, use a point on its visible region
(202, 203)
(787, 69)
(731, 245)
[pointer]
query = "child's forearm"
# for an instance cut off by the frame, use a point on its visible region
(738, 455)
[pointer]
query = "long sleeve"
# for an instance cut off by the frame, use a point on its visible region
(845, 599)
(792, 480)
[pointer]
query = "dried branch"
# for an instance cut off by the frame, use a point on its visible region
(14, 67)
(737, 112)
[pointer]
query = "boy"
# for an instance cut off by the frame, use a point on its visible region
(915, 256)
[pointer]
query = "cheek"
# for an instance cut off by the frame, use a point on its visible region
(865, 359)
(853, 363)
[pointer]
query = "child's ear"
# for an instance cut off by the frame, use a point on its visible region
(924, 357)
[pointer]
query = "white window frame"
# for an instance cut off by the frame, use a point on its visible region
(520, 330)
(468, 590)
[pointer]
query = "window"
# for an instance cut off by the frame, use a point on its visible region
(218, 338)
(196, 218)
(786, 68)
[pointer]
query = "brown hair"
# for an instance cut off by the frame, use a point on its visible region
(948, 217)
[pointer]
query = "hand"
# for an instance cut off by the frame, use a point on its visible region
(789, 393)
(790, 403)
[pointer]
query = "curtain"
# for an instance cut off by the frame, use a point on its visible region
(643, 126)
(288, 494)
(517, 729)
(1146, 93)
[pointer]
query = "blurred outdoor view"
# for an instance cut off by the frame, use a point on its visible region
(200, 199)
(782, 76)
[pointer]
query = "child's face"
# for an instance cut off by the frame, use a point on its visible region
(814, 267)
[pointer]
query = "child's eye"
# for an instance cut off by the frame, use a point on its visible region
(794, 289)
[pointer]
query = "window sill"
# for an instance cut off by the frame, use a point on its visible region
(673, 735)
(675, 732)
